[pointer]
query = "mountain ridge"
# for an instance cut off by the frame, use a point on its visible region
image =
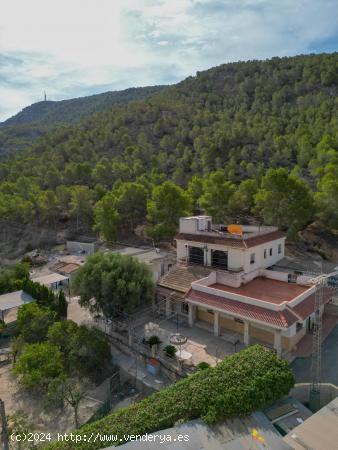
(43, 117)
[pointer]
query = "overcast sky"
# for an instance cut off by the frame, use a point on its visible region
(72, 48)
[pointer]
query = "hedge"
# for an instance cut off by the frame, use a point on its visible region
(248, 380)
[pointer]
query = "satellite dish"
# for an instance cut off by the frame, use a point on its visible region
(235, 229)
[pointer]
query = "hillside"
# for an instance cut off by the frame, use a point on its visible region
(41, 117)
(242, 118)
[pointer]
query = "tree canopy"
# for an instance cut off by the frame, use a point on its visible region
(284, 200)
(112, 284)
(241, 119)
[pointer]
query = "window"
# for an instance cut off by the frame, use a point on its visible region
(279, 249)
(265, 253)
(196, 255)
(270, 251)
(219, 259)
(169, 266)
(299, 326)
(252, 258)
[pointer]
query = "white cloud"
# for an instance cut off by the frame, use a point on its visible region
(74, 47)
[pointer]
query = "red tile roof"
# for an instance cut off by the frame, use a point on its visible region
(266, 289)
(282, 319)
(307, 306)
(231, 242)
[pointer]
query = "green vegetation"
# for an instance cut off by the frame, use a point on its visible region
(113, 284)
(38, 366)
(154, 340)
(41, 117)
(84, 352)
(167, 204)
(220, 139)
(242, 383)
(13, 278)
(203, 365)
(170, 350)
(33, 322)
(55, 302)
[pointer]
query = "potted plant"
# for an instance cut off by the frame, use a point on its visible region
(170, 350)
(154, 342)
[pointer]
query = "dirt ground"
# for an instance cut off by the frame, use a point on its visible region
(51, 420)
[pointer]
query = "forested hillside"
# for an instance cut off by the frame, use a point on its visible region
(41, 117)
(252, 140)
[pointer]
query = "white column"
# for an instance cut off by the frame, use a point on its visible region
(216, 323)
(278, 342)
(191, 315)
(246, 333)
(167, 307)
(205, 256)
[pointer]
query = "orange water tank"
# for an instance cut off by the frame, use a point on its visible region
(235, 229)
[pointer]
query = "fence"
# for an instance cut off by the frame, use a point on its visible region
(131, 343)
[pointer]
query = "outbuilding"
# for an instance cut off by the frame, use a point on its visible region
(9, 304)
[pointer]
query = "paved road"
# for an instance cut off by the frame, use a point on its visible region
(302, 366)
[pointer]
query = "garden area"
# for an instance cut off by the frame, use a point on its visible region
(56, 367)
(249, 380)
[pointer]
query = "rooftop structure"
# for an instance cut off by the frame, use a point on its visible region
(286, 414)
(319, 432)
(243, 249)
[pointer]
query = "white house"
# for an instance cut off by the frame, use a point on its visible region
(224, 281)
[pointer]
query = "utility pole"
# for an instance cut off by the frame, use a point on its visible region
(321, 282)
(4, 425)
(316, 366)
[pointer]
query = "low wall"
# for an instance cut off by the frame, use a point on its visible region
(328, 392)
(78, 247)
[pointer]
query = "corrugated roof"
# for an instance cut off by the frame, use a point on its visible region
(231, 242)
(50, 278)
(179, 277)
(14, 300)
(280, 319)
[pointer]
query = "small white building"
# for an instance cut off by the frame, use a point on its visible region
(52, 280)
(158, 261)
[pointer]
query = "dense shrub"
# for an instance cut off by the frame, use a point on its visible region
(170, 350)
(242, 383)
(203, 365)
(154, 340)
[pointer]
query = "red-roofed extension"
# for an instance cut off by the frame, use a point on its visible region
(307, 306)
(279, 319)
(266, 289)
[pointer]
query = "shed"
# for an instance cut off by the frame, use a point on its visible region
(12, 301)
(52, 280)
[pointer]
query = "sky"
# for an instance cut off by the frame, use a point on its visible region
(72, 48)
